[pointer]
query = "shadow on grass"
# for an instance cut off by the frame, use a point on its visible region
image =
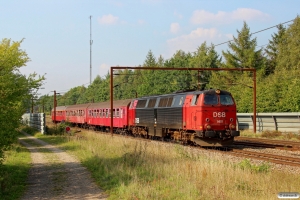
(14, 172)
(110, 174)
(13, 181)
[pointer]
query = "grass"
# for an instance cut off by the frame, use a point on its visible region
(13, 172)
(130, 169)
(272, 135)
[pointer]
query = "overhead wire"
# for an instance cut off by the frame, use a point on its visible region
(257, 32)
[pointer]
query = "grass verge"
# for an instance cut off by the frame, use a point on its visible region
(272, 135)
(131, 169)
(14, 172)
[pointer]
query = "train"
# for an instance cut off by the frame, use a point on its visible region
(205, 118)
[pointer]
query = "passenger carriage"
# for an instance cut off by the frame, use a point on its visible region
(76, 114)
(60, 114)
(99, 114)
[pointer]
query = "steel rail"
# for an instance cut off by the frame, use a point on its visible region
(281, 144)
(277, 159)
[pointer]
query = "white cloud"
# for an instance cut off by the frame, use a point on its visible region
(249, 14)
(178, 15)
(103, 69)
(117, 3)
(191, 41)
(141, 22)
(108, 19)
(243, 14)
(174, 27)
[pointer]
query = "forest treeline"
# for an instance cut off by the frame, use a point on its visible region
(277, 74)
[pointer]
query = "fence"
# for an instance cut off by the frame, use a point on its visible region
(35, 120)
(285, 122)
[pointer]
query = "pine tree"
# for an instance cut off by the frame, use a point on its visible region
(272, 50)
(204, 57)
(243, 53)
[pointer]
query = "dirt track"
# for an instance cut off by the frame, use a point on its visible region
(57, 175)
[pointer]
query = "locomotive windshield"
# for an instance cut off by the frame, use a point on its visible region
(226, 99)
(211, 99)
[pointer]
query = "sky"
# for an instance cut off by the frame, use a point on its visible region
(57, 33)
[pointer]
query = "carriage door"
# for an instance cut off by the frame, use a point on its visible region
(155, 120)
(195, 111)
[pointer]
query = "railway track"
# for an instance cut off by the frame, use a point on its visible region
(268, 143)
(283, 160)
(277, 159)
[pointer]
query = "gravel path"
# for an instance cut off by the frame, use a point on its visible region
(57, 175)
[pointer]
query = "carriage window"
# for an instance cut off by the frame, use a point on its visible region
(226, 99)
(210, 99)
(195, 99)
(121, 113)
(117, 113)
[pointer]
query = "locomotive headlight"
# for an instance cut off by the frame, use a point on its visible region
(232, 126)
(218, 91)
(207, 126)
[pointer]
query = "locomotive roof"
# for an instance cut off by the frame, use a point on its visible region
(210, 91)
(118, 103)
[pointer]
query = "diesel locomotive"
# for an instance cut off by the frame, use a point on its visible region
(206, 118)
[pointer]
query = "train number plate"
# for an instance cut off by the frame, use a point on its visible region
(219, 114)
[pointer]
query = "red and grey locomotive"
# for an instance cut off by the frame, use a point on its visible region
(207, 117)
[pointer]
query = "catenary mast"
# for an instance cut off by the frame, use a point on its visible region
(91, 42)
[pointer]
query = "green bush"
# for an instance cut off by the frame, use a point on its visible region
(246, 165)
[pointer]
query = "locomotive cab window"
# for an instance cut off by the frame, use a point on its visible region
(211, 99)
(226, 99)
(195, 99)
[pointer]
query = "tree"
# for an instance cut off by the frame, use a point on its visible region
(148, 78)
(205, 57)
(287, 73)
(272, 50)
(180, 80)
(15, 90)
(289, 51)
(243, 53)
